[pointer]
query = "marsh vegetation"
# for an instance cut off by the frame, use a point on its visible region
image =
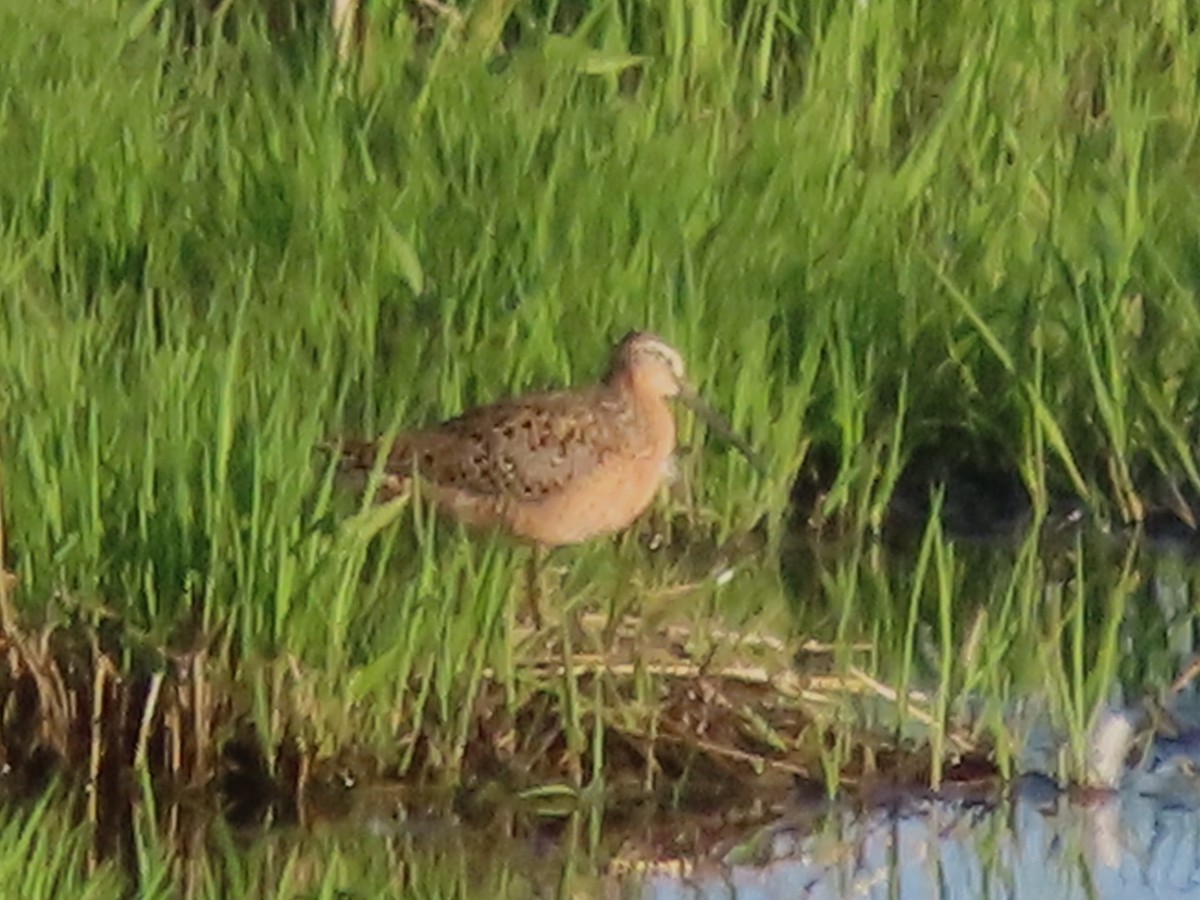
(937, 262)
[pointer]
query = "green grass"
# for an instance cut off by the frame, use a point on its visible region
(47, 853)
(866, 225)
(50, 855)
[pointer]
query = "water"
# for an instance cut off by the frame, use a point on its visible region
(1034, 841)
(1134, 833)
(1040, 843)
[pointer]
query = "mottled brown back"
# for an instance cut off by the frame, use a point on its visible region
(523, 449)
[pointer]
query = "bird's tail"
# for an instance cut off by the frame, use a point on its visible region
(351, 454)
(356, 460)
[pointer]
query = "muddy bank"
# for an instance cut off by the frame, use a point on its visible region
(667, 711)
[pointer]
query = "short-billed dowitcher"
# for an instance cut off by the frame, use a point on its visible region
(552, 468)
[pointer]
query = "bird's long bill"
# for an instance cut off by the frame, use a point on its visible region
(721, 426)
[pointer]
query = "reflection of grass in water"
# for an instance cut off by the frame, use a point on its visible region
(859, 227)
(966, 638)
(179, 851)
(46, 852)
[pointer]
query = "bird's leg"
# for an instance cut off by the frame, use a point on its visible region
(625, 605)
(534, 573)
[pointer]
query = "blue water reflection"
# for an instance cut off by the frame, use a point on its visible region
(1040, 844)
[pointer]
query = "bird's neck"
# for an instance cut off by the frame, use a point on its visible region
(654, 417)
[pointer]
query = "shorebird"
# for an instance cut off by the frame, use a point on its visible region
(551, 468)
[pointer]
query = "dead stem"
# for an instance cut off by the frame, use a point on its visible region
(449, 12)
(96, 741)
(200, 714)
(756, 761)
(1187, 676)
(346, 18)
(148, 709)
(912, 701)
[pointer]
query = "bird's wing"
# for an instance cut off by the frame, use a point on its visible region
(525, 449)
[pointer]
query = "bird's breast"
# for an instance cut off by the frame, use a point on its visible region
(610, 496)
